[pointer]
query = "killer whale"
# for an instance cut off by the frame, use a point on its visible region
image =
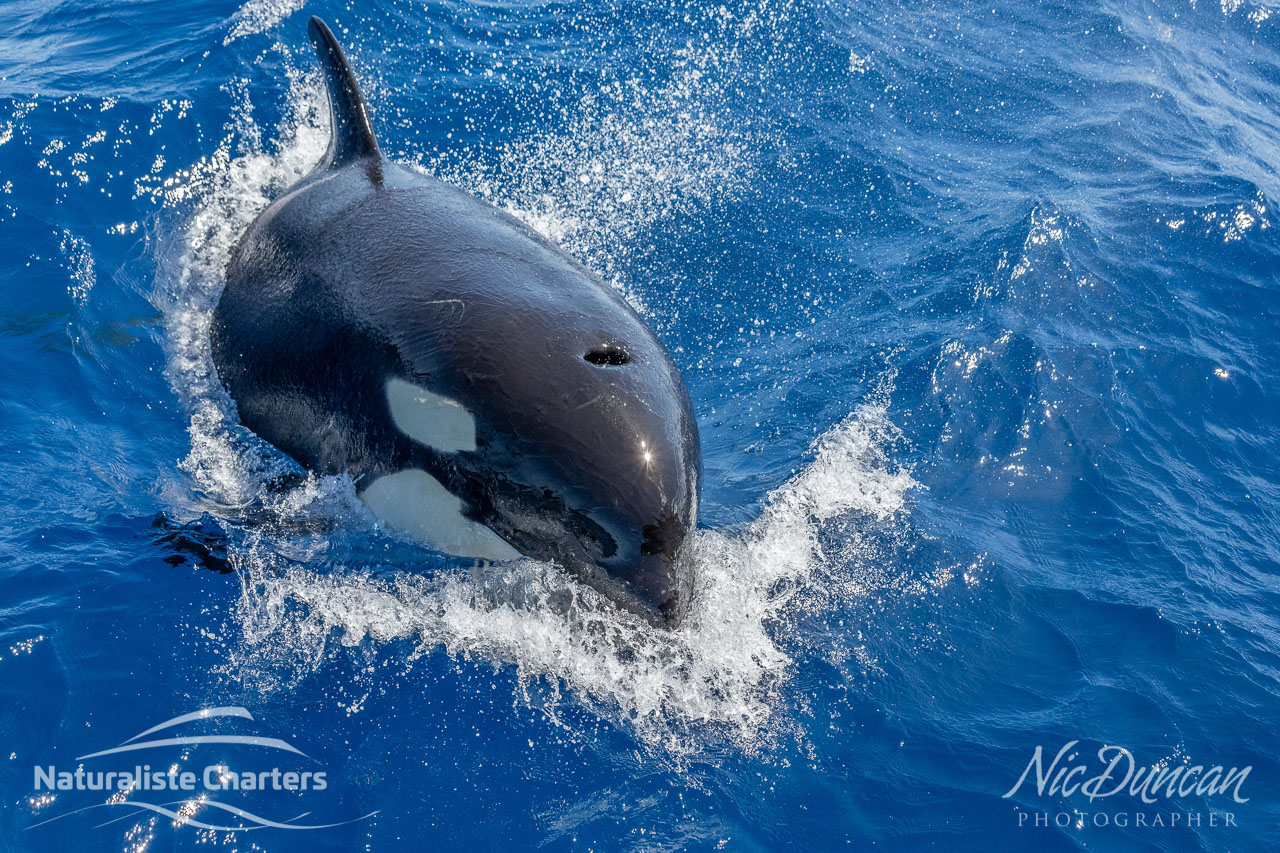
(489, 394)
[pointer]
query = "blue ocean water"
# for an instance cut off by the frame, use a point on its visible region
(978, 309)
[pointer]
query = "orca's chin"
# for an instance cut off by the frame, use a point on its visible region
(655, 587)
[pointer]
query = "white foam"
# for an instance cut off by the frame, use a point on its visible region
(719, 674)
(214, 201)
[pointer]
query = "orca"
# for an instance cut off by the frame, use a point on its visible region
(489, 394)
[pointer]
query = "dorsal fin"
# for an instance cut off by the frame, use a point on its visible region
(352, 137)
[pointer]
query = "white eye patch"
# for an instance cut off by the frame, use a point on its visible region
(415, 503)
(426, 417)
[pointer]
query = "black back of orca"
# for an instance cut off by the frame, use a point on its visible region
(384, 324)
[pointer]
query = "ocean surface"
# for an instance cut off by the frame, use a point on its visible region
(979, 310)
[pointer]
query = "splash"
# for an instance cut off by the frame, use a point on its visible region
(721, 672)
(221, 194)
(258, 16)
(631, 156)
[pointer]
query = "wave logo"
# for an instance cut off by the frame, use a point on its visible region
(196, 789)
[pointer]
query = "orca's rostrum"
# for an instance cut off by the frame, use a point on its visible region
(491, 396)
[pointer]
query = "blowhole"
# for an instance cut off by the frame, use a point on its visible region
(607, 355)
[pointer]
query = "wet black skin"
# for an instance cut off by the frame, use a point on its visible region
(586, 445)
